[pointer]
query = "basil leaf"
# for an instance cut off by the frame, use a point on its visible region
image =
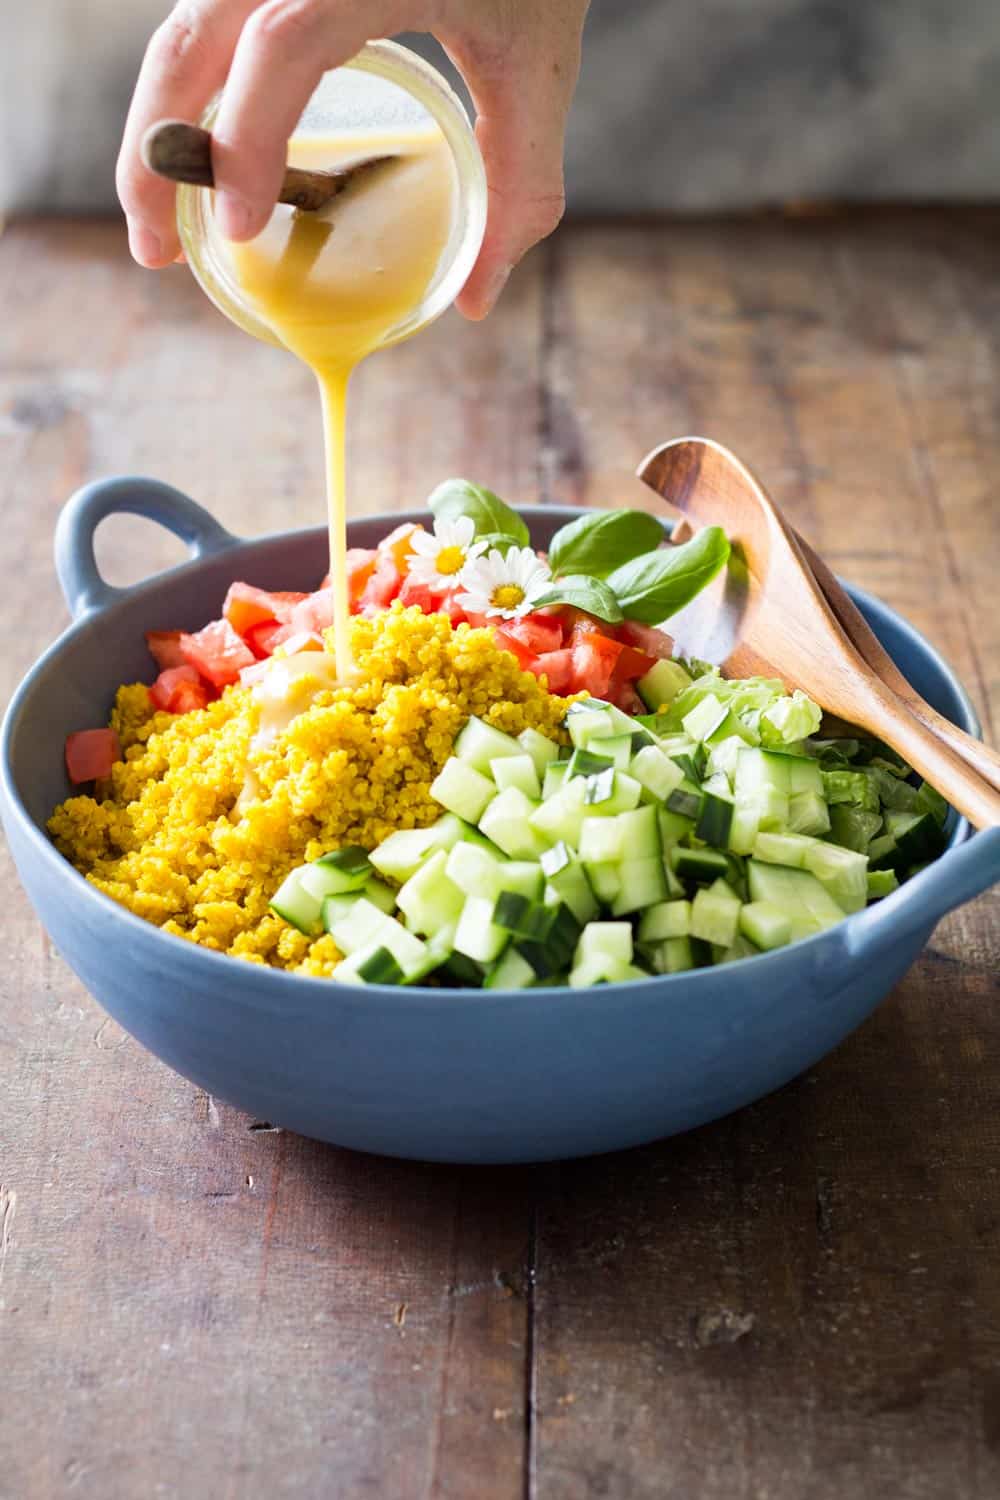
(583, 593)
(604, 540)
(656, 586)
(487, 512)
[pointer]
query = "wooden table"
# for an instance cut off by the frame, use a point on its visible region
(800, 1302)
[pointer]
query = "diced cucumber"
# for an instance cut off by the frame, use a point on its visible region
(544, 752)
(463, 790)
(843, 873)
(641, 883)
(853, 827)
(589, 762)
(611, 940)
(561, 815)
(704, 719)
(477, 936)
(640, 832)
(473, 868)
(465, 971)
(522, 917)
(590, 721)
(656, 772)
(722, 757)
(881, 883)
(550, 957)
(352, 861)
(806, 903)
(610, 793)
(808, 813)
(297, 905)
(715, 914)
(321, 881)
(691, 758)
(519, 771)
(674, 955)
(685, 802)
(398, 856)
(605, 879)
(555, 776)
(379, 894)
(850, 786)
(568, 879)
(618, 749)
(918, 836)
(379, 966)
(783, 849)
(507, 823)
(661, 684)
(673, 827)
(740, 947)
(510, 972)
(479, 743)
(430, 900)
(765, 925)
(730, 727)
(521, 877)
(715, 816)
(667, 919)
(601, 840)
(744, 828)
(762, 782)
(701, 865)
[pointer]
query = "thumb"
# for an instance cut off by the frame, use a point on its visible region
(521, 128)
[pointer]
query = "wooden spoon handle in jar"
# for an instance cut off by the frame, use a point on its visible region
(183, 153)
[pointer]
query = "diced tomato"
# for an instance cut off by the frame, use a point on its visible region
(246, 606)
(419, 594)
(479, 621)
(448, 604)
(632, 664)
(312, 613)
(90, 754)
(360, 567)
(624, 696)
(647, 638)
(169, 680)
(558, 669)
(383, 586)
(217, 652)
(539, 632)
(165, 648)
(399, 544)
(527, 660)
(190, 695)
(594, 659)
(263, 638)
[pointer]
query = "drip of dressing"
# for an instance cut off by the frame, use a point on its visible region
(334, 285)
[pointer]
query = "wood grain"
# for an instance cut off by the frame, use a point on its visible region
(799, 1302)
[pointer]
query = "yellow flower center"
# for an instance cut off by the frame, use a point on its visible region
(507, 596)
(450, 560)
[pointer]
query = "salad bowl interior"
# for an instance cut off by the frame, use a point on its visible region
(437, 1074)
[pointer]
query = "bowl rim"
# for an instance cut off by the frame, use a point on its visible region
(265, 979)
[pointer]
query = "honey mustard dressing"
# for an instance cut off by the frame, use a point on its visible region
(336, 285)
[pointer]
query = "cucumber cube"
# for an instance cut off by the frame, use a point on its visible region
(477, 936)
(462, 790)
(667, 919)
(842, 872)
(674, 956)
(555, 776)
(520, 877)
(430, 900)
(656, 772)
(765, 925)
(544, 752)
(601, 840)
(715, 914)
(379, 894)
(881, 883)
(661, 684)
(561, 815)
(704, 719)
(808, 813)
(519, 771)
(784, 849)
(605, 880)
(589, 762)
(808, 905)
(473, 868)
(567, 878)
(404, 851)
(507, 822)
(641, 883)
(479, 743)
(510, 972)
(610, 940)
(590, 721)
(853, 827)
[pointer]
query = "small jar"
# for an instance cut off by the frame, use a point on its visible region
(384, 86)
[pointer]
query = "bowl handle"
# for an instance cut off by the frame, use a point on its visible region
(957, 877)
(82, 585)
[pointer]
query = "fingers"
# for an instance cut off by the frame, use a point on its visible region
(522, 97)
(283, 51)
(185, 64)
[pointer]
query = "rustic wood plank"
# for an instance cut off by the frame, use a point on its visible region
(798, 1302)
(214, 1308)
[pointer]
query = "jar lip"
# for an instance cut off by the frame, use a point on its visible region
(422, 81)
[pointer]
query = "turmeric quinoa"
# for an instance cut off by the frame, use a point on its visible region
(198, 826)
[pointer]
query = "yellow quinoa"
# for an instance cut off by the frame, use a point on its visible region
(169, 842)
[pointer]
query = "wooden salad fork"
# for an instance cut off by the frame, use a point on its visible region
(767, 615)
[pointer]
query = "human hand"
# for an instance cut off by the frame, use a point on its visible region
(520, 59)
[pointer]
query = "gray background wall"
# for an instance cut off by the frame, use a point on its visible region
(683, 104)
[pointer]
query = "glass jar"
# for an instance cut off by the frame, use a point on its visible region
(385, 85)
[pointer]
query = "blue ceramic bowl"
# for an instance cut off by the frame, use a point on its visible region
(446, 1075)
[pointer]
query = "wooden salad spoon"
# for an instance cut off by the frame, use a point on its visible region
(183, 153)
(767, 616)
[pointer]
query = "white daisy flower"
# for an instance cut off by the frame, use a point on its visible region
(506, 586)
(438, 557)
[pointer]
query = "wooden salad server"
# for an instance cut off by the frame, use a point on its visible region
(766, 615)
(183, 153)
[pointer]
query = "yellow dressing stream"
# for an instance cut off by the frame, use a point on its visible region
(335, 286)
